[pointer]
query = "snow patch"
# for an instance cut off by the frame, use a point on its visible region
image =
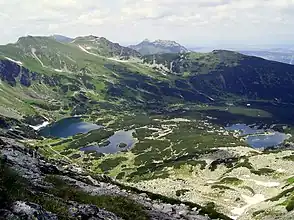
(58, 70)
(117, 60)
(267, 184)
(237, 212)
(15, 61)
(38, 127)
(281, 170)
(83, 49)
(33, 50)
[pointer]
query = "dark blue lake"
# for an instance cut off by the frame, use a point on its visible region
(68, 127)
(259, 138)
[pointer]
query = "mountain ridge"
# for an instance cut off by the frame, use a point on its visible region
(176, 107)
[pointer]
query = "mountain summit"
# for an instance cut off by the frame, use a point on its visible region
(147, 47)
(61, 38)
(103, 47)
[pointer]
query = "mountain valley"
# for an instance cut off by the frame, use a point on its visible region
(175, 134)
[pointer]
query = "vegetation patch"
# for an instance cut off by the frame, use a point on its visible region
(221, 187)
(263, 171)
(110, 164)
(231, 181)
(92, 136)
(181, 192)
(290, 204)
(282, 194)
(15, 188)
(291, 180)
(122, 206)
(291, 158)
(249, 189)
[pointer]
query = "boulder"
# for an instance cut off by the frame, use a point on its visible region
(31, 211)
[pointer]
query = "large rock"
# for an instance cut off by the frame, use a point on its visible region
(91, 212)
(31, 211)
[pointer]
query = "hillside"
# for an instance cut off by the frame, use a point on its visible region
(37, 70)
(154, 125)
(225, 72)
(147, 47)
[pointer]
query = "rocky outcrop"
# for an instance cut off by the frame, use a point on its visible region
(14, 128)
(147, 47)
(103, 47)
(25, 210)
(31, 166)
(13, 73)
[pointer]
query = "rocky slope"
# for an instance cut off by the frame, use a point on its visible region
(32, 187)
(103, 47)
(147, 47)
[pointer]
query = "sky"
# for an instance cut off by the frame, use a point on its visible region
(190, 22)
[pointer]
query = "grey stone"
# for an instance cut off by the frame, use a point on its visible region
(31, 211)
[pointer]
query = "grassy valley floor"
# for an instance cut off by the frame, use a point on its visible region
(187, 154)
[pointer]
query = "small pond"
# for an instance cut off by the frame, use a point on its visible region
(68, 127)
(259, 138)
(244, 129)
(120, 141)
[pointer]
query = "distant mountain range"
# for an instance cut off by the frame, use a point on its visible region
(104, 47)
(283, 56)
(148, 47)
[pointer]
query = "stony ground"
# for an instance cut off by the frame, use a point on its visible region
(41, 174)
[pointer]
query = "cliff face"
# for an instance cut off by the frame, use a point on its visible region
(32, 187)
(12, 73)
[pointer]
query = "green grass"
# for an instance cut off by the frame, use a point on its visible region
(290, 204)
(85, 140)
(230, 181)
(290, 180)
(110, 164)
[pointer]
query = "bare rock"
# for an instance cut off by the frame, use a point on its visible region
(31, 211)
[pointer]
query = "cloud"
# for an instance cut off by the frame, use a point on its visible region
(128, 21)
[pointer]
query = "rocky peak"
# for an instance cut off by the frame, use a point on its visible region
(167, 43)
(147, 47)
(146, 41)
(61, 38)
